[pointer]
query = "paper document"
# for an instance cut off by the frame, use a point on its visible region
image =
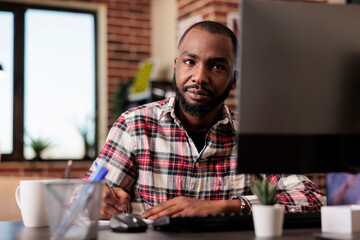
(106, 223)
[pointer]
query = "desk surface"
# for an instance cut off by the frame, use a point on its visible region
(16, 230)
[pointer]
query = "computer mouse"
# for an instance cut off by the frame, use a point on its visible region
(127, 223)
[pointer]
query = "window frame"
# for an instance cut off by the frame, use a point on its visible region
(19, 9)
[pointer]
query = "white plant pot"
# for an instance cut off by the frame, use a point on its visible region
(268, 220)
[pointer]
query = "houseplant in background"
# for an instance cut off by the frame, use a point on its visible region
(86, 130)
(38, 145)
(268, 217)
(120, 98)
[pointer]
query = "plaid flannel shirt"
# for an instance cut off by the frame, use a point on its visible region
(150, 155)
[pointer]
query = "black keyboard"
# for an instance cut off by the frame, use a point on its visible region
(231, 222)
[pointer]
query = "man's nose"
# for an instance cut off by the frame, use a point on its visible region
(200, 75)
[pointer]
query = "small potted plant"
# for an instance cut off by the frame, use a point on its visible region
(39, 145)
(89, 148)
(268, 217)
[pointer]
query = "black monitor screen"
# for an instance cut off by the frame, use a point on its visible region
(298, 95)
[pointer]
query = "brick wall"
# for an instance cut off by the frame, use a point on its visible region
(129, 33)
(215, 10)
(43, 169)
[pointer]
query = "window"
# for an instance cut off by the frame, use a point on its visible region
(53, 100)
(6, 81)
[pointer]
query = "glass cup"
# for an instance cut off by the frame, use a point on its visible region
(73, 208)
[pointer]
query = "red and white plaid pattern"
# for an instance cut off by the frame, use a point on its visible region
(151, 156)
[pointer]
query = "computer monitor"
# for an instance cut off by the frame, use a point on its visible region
(298, 96)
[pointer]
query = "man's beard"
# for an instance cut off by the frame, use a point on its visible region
(200, 109)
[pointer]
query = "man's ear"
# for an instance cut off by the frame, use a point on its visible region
(234, 80)
(175, 60)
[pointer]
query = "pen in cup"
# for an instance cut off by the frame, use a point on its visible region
(68, 169)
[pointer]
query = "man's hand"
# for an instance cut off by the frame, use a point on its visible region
(185, 206)
(113, 201)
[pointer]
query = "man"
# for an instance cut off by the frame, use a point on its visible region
(177, 157)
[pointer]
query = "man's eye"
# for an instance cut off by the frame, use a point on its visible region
(219, 67)
(189, 62)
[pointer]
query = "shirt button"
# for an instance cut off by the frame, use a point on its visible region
(197, 164)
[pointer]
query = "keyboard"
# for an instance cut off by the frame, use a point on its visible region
(231, 222)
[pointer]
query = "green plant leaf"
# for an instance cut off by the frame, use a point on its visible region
(265, 191)
(39, 145)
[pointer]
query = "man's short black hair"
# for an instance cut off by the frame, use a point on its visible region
(214, 28)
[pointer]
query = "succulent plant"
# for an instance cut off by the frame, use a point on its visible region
(39, 145)
(264, 191)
